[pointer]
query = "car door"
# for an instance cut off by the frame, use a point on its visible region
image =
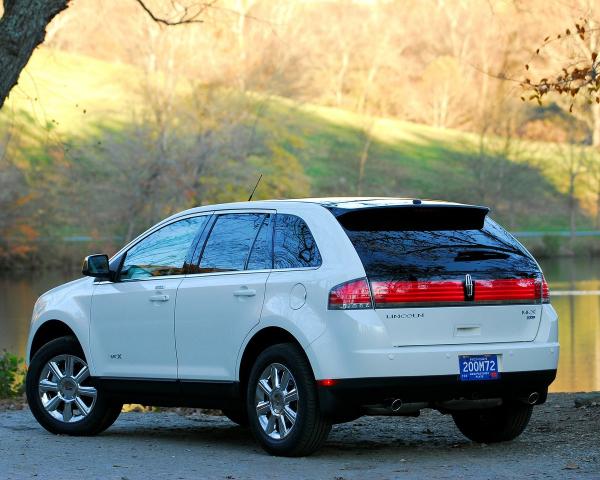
(132, 319)
(220, 303)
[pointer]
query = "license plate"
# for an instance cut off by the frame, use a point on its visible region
(478, 367)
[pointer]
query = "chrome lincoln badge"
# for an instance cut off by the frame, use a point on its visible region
(468, 287)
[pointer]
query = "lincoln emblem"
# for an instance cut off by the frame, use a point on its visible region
(468, 287)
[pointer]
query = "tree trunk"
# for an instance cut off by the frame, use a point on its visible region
(22, 28)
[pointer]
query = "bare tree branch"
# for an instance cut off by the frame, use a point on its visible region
(188, 14)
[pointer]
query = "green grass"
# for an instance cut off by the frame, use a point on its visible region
(73, 96)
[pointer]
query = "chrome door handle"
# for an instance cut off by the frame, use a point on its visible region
(159, 298)
(245, 292)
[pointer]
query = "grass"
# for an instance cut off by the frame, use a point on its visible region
(67, 95)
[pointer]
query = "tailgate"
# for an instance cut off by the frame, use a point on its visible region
(460, 325)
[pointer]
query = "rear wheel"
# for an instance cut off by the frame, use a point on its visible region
(61, 395)
(499, 424)
(283, 404)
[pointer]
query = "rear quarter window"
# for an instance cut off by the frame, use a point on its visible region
(294, 245)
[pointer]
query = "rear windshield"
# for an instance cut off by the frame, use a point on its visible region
(399, 251)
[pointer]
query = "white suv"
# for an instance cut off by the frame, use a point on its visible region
(293, 315)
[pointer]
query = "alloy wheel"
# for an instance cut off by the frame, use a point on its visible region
(63, 389)
(277, 401)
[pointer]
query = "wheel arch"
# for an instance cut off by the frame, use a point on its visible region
(48, 331)
(259, 342)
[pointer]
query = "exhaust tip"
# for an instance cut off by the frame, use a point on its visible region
(396, 405)
(533, 398)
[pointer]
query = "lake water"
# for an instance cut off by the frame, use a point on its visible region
(574, 286)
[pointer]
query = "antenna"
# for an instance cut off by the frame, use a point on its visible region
(254, 189)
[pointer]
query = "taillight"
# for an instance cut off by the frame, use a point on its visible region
(352, 295)
(545, 291)
(389, 293)
(507, 289)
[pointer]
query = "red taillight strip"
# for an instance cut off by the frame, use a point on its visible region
(388, 293)
(508, 289)
(417, 291)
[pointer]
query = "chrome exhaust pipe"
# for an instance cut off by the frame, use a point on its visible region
(533, 398)
(396, 405)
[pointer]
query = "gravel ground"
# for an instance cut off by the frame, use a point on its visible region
(562, 441)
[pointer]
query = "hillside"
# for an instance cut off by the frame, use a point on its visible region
(73, 99)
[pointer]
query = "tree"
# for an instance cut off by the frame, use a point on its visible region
(23, 28)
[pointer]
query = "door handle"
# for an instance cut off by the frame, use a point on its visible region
(245, 292)
(159, 298)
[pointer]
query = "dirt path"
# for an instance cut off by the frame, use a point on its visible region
(561, 442)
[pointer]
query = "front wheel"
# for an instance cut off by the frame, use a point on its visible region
(61, 395)
(499, 424)
(283, 405)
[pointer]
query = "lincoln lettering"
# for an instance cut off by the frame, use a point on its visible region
(405, 315)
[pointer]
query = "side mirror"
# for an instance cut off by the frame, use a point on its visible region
(96, 266)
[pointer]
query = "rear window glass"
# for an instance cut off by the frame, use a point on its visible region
(395, 253)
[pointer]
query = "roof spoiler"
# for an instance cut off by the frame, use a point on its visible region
(424, 217)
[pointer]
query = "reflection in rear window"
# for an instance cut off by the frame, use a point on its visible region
(398, 254)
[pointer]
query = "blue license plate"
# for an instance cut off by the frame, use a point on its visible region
(478, 367)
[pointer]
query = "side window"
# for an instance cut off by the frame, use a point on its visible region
(262, 252)
(162, 252)
(230, 241)
(294, 246)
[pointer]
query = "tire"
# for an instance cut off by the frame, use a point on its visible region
(297, 398)
(237, 416)
(499, 424)
(86, 415)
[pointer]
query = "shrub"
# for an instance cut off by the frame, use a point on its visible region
(12, 373)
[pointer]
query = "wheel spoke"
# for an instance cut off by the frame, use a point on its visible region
(69, 361)
(87, 392)
(263, 408)
(271, 425)
(48, 386)
(290, 415)
(83, 374)
(53, 404)
(285, 379)
(68, 412)
(291, 396)
(54, 368)
(83, 408)
(274, 377)
(283, 430)
(264, 386)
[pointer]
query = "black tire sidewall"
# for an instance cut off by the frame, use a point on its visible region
(96, 420)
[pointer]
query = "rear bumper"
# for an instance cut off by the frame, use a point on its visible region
(351, 393)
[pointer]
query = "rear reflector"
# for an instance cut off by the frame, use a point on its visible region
(351, 295)
(397, 292)
(328, 382)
